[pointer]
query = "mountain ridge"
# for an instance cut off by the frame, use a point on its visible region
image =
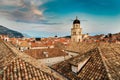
(10, 32)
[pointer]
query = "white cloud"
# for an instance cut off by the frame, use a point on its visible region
(35, 10)
(11, 2)
(30, 13)
(17, 19)
(101, 24)
(20, 26)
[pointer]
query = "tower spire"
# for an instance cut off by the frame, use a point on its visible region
(76, 17)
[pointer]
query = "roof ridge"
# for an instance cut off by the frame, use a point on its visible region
(92, 57)
(106, 68)
(34, 62)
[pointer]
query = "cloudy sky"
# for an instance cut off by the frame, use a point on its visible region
(43, 18)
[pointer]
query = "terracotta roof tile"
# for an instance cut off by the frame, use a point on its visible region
(21, 70)
(16, 66)
(103, 64)
(24, 44)
(39, 53)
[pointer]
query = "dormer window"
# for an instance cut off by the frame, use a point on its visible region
(78, 63)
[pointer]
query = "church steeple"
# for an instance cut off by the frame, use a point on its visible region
(76, 21)
(76, 18)
(76, 31)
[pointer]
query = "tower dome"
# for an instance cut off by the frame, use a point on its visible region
(76, 21)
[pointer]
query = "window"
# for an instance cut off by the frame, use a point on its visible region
(74, 33)
(79, 32)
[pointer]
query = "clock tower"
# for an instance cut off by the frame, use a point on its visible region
(76, 31)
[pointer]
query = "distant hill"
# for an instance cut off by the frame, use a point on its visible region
(9, 32)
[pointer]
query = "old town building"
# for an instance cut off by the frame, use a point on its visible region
(76, 32)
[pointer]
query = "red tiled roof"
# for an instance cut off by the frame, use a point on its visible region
(39, 53)
(92, 69)
(21, 70)
(17, 66)
(24, 44)
(103, 64)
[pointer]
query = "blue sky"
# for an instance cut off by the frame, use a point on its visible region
(44, 18)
